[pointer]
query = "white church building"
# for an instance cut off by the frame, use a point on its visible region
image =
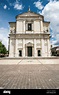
(29, 36)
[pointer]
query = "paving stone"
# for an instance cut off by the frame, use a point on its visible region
(29, 76)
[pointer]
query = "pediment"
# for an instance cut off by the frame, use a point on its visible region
(29, 44)
(28, 14)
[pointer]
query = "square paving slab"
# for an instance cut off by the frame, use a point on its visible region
(29, 76)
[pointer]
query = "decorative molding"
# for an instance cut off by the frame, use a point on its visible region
(29, 44)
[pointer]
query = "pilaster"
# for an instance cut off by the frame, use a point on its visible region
(16, 48)
(11, 49)
(41, 26)
(49, 51)
(24, 25)
(23, 53)
(35, 51)
(43, 50)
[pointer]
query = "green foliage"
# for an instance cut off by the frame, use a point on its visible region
(3, 49)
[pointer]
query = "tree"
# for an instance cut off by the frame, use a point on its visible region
(3, 49)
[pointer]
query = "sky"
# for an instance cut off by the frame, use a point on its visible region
(48, 8)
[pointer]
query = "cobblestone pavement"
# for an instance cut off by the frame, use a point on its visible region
(29, 76)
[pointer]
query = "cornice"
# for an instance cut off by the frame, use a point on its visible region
(29, 36)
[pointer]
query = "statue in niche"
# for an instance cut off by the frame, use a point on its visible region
(12, 31)
(47, 30)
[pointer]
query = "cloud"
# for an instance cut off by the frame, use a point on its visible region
(4, 36)
(8, 8)
(5, 6)
(56, 43)
(51, 13)
(39, 5)
(18, 6)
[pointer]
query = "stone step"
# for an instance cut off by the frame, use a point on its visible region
(29, 61)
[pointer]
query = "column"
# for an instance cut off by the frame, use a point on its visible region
(11, 50)
(41, 26)
(16, 48)
(23, 53)
(49, 51)
(8, 43)
(24, 26)
(25, 50)
(33, 26)
(43, 50)
(35, 51)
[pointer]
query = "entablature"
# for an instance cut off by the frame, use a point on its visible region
(29, 36)
(27, 19)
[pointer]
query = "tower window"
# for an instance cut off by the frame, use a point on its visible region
(29, 26)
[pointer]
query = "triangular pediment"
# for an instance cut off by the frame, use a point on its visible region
(27, 14)
(29, 44)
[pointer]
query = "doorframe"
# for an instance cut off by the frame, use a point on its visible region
(29, 44)
(31, 51)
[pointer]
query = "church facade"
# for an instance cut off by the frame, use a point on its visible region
(29, 36)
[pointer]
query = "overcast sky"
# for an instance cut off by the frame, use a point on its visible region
(48, 8)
